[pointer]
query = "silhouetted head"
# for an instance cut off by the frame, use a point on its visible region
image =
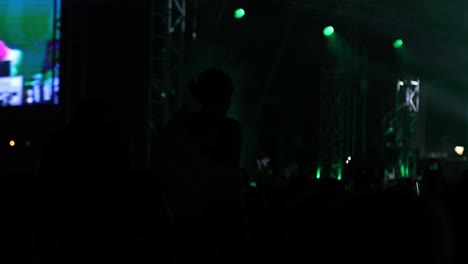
(214, 91)
(3, 50)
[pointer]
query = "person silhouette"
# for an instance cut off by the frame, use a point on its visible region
(206, 138)
(215, 133)
(199, 155)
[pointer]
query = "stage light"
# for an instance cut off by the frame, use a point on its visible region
(318, 173)
(459, 150)
(402, 170)
(12, 143)
(349, 158)
(398, 43)
(328, 31)
(163, 95)
(239, 13)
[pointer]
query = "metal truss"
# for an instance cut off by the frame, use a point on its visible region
(167, 50)
(333, 104)
(402, 122)
(407, 106)
(343, 111)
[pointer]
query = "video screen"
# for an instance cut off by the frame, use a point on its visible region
(29, 52)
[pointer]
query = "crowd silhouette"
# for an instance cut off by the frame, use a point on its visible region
(196, 204)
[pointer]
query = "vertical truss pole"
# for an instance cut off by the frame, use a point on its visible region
(332, 121)
(177, 10)
(343, 110)
(364, 88)
(166, 63)
(356, 66)
(407, 111)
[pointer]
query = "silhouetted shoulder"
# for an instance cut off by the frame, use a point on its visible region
(231, 126)
(233, 123)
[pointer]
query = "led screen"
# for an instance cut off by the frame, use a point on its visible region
(29, 52)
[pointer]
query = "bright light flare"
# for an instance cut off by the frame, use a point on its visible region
(239, 13)
(459, 150)
(328, 31)
(398, 43)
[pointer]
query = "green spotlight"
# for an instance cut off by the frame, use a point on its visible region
(398, 43)
(328, 31)
(239, 13)
(163, 95)
(318, 173)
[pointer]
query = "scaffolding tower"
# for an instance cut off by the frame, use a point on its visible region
(167, 61)
(406, 117)
(343, 109)
(333, 104)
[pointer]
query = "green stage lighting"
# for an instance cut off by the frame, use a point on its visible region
(328, 31)
(239, 13)
(398, 43)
